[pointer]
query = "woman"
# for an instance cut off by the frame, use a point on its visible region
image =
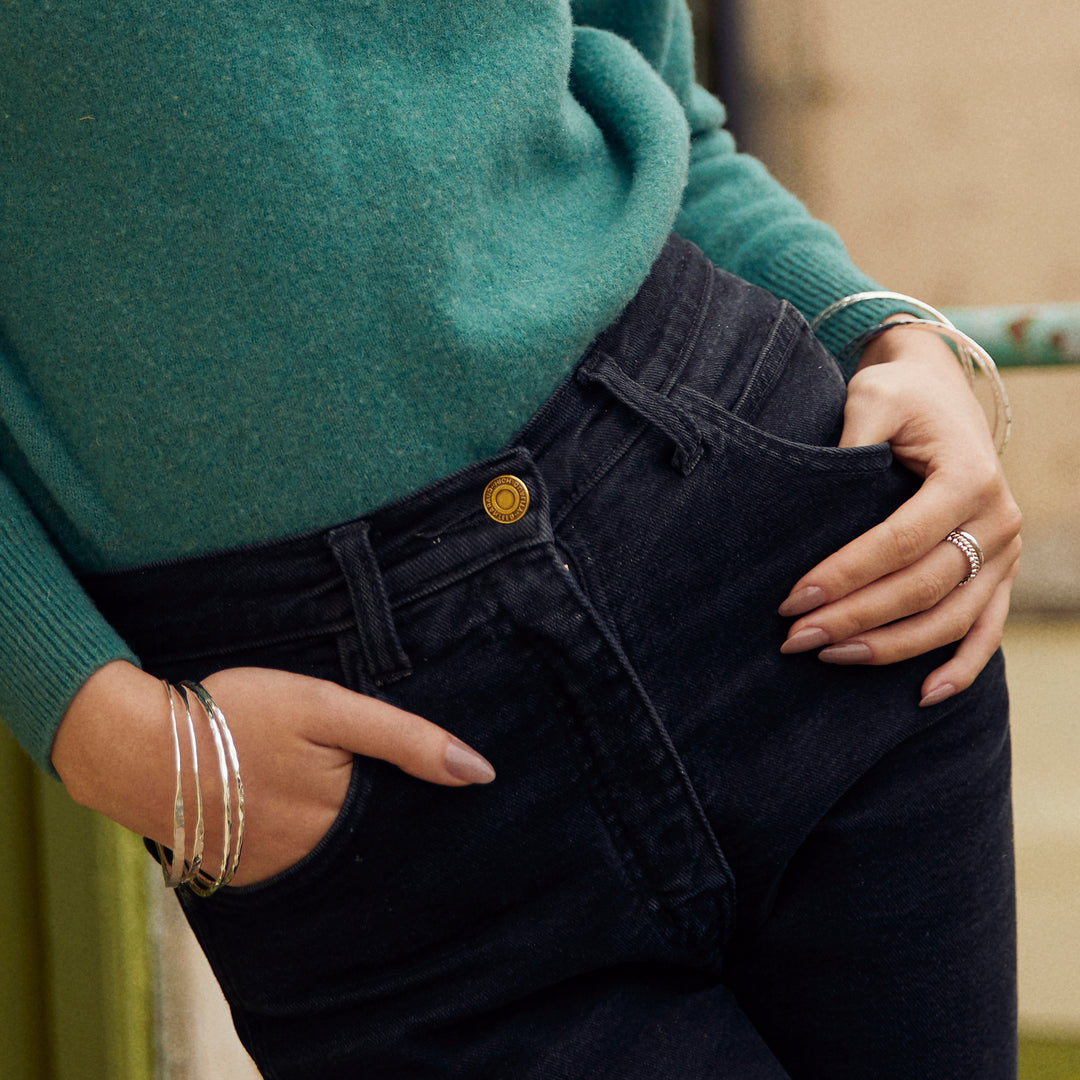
(349, 368)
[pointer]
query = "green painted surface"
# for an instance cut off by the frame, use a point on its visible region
(1049, 1059)
(76, 1000)
(1029, 335)
(23, 1002)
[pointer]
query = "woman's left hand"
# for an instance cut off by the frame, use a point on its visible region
(893, 592)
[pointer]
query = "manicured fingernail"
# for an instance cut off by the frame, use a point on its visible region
(799, 603)
(812, 637)
(938, 695)
(464, 763)
(846, 654)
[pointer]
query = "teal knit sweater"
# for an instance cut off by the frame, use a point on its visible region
(266, 264)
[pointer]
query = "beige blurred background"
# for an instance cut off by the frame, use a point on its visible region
(943, 142)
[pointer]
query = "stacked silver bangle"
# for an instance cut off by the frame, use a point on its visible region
(969, 352)
(176, 868)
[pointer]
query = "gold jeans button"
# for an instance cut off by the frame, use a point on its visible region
(506, 499)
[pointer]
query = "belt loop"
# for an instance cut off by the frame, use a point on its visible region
(654, 408)
(382, 652)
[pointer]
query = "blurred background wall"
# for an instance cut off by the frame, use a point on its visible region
(943, 142)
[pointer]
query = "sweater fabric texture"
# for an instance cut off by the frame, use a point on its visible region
(265, 266)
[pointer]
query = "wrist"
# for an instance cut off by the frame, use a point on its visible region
(899, 337)
(111, 749)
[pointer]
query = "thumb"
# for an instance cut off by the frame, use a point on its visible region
(865, 423)
(374, 728)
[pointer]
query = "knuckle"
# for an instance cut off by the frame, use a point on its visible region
(962, 673)
(324, 709)
(983, 474)
(887, 652)
(324, 697)
(408, 739)
(987, 481)
(907, 543)
(926, 591)
(843, 629)
(1012, 519)
(989, 640)
(1014, 568)
(956, 626)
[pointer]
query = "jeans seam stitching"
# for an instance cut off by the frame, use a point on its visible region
(770, 363)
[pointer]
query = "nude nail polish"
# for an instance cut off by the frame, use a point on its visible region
(938, 695)
(846, 654)
(464, 763)
(799, 603)
(811, 637)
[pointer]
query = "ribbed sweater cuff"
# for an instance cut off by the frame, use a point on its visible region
(52, 639)
(813, 284)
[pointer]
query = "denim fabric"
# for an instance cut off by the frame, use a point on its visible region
(699, 858)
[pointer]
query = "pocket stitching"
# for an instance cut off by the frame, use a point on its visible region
(303, 872)
(847, 459)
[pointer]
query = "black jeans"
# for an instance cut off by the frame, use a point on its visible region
(700, 858)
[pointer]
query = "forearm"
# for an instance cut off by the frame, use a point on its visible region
(112, 749)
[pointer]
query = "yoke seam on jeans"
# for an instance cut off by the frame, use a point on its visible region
(689, 343)
(616, 455)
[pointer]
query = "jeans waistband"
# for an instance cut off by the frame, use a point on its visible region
(284, 589)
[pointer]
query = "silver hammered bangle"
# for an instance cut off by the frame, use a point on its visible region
(176, 870)
(172, 869)
(969, 352)
(231, 785)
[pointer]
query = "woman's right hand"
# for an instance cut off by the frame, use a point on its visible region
(295, 738)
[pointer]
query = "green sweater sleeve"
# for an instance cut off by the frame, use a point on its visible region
(53, 639)
(732, 208)
(747, 223)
